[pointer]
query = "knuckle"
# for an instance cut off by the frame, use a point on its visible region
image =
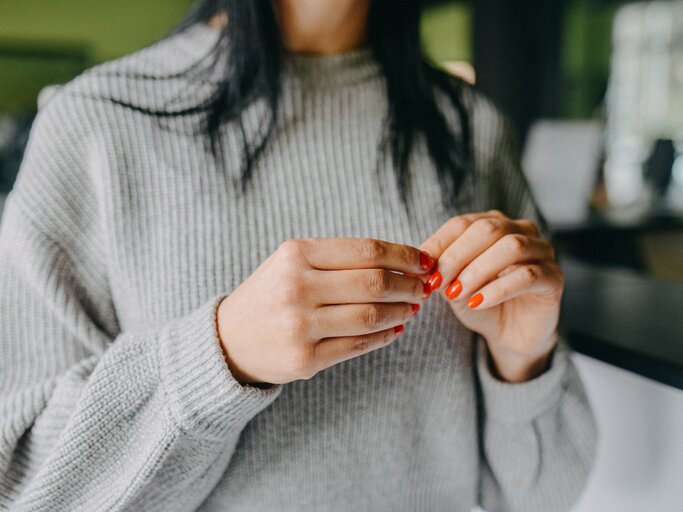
(489, 227)
(302, 363)
(516, 243)
(293, 289)
(372, 316)
(531, 226)
(531, 274)
(458, 224)
(361, 344)
(372, 250)
(418, 288)
(494, 292)
(296, 326)
(290, 250)
(497, 213)
(378, 283)
(408, 256)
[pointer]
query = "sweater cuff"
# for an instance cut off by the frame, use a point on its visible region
(522, 402)
(203, 395)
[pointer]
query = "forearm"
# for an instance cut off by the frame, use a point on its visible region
(538, 438)
(153, 402)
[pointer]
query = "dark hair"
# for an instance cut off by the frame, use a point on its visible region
(251, 46)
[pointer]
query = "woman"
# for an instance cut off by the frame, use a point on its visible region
(209, 258)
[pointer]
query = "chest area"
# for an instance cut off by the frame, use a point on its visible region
(183, 227)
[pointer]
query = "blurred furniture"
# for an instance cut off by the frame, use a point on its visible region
(625, 319)
(644, 100)
(625, 329)
(640, 454)
(650, 243)
(561, 160)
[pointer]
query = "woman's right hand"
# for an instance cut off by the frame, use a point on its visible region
(316, 302)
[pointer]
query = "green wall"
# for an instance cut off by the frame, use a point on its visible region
(109, 28)
(97, 29)
(80, 33)
(446, 32)
(586, 55)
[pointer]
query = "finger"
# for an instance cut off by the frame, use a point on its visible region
(478, 237)
(358, 319)
(357, 253)
(364, 286)
(546, 278)
(449, 231)
(331, 351)
(506, 251)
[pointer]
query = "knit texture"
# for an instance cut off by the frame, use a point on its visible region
(123, 233)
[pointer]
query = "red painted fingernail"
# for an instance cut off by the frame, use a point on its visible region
(426, 261)
(475, 301)
(434, 280)
(399, 329)
(426, 290)
(415, 308)
(454, 289)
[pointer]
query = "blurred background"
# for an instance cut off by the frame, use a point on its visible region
(595, 90)
(593, 86)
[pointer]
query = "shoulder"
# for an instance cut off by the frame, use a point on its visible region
(77, 121)
(163, 73)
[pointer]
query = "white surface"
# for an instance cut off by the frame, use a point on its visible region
(640, 457)
(561, 160)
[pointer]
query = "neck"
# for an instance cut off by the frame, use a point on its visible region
(322, 26)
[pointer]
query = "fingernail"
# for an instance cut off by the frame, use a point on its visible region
(434, 280)
(454, 289)
(475, 301)
(426, 290)
(415, 308)
(399, 329)
(426, 261)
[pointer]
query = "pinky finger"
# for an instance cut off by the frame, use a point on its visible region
(519, 280)
(331, 351)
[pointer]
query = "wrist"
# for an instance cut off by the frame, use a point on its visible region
(514, 367)
(241, 377)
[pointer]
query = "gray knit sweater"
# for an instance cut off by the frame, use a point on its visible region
(123, 233)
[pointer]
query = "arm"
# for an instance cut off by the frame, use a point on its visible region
(537, 438)
(92, 418)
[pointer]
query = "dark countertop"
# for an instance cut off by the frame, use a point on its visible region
(626, 319)
(655, 218)
(615, 238)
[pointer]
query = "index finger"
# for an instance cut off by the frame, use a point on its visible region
(359, 253)
(450, 231)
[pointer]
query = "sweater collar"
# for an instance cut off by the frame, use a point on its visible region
(348, 68)
(309, 70)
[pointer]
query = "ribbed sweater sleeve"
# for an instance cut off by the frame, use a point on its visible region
(537, 438)
(92, 418)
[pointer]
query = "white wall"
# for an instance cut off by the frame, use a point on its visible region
(640, 457)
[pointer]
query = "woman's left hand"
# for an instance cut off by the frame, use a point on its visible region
(501, 280)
